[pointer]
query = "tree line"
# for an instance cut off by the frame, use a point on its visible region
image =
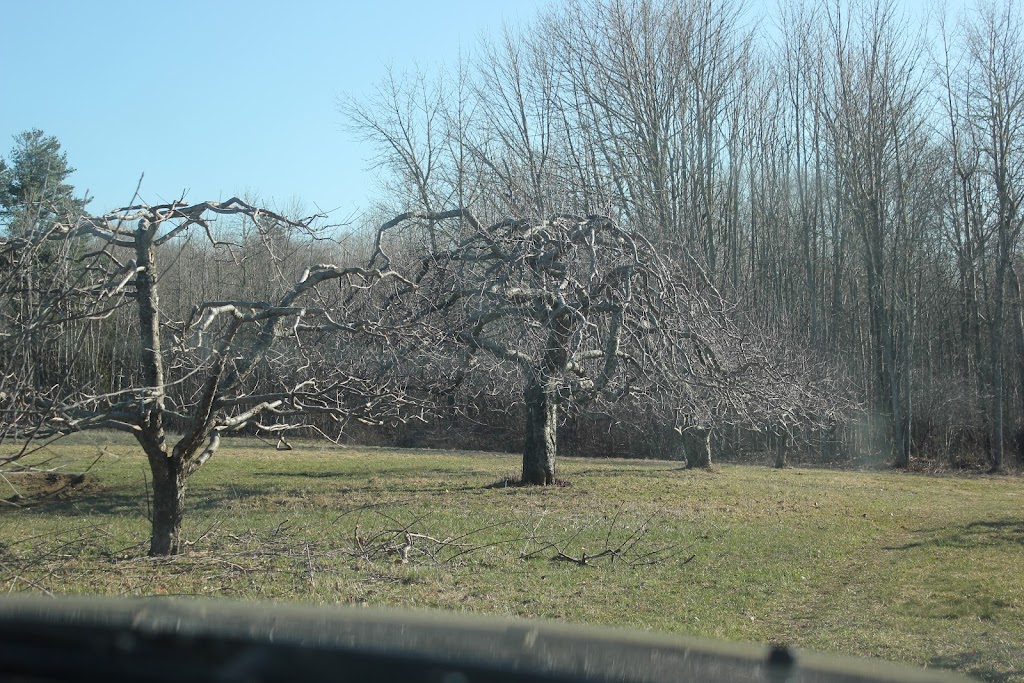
(849, 178)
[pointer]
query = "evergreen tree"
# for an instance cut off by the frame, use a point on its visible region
(33, 187)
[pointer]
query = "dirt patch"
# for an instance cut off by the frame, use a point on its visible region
(33, 487)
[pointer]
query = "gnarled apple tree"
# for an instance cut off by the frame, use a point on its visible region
(573, 310)
(258, 357)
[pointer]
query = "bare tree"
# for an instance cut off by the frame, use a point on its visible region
(983, 98)
(994, 97)
(227, 364)
(575, 311)
(873, 84)
(36, 319)
(652, 114)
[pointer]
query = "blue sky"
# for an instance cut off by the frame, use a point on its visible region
(219, 98)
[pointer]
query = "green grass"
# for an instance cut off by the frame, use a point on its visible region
(927, 570)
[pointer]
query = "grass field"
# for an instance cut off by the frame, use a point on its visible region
(921, 569)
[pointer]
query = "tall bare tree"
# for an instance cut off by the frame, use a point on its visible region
(984, 100)
(995, 100)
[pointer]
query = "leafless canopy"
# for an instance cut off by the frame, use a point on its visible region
(581, 312)
(224, 341)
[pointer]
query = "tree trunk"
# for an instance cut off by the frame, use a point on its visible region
(541, 435)
(542, 406)
(900, 439)
(998, 326)
(781, 448)
(998, 416)
(168, 477)
(698, 448)
(168, 505)
(1018, 320)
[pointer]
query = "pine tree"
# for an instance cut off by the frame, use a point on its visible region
(33, 187)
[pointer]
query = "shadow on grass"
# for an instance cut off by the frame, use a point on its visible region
(99, 502)
(350, 474)
(651, 472)
(386, 481)
(968, 663)
(306, 475)
(221, 497)
(132, 501)
(511, 481)
(974, 535)
(125, 501)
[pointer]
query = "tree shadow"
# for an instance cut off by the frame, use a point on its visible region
(133, 501)
(101, 501)
(218, 498)
(306, 475)
(512, 481)
(989, 533)
(968, 663)
(334, 474)
(400, 485)
(650, 472)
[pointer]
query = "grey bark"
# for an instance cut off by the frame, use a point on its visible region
(169, 487)
(781, 448)
(168, 483)
(697, 442)
(541, 434)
